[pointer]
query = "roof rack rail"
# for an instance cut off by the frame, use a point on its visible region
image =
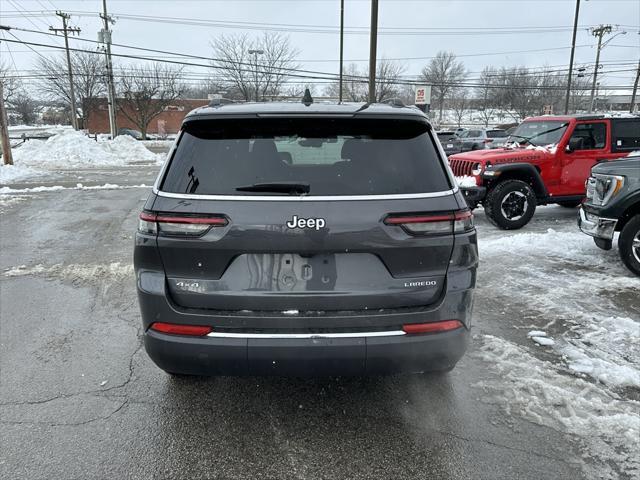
(219, 102)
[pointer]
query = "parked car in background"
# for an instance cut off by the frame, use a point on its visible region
(131, 132)
(548, 161)
(480, 139)
(458, 131)
(450, 142)
(613, 205)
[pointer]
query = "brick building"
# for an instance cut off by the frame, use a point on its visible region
(97, 115)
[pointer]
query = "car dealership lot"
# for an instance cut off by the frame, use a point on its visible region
(79, 398)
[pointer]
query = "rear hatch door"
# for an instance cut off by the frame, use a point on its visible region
(306, 205)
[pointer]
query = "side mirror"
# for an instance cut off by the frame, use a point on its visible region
(575, 143)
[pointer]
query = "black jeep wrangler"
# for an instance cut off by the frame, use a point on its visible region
(613, 205)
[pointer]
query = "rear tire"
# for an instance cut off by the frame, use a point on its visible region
(510, 204)
(573, 204)
(629, 245)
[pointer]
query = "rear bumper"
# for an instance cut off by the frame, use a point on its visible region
(306, 357)
(331, 343)
(596, 226)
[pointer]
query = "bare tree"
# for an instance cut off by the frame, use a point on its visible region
(355, 86)
(460, 104)
(487, 95)
(146, 91)
(443, 73)
(24, 107)
(10, 83)
(88, 79)
(255, 75)
(388, 78)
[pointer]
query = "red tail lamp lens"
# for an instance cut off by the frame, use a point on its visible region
(176, 329)
(179, 225)
(432, 327)
(439, 223)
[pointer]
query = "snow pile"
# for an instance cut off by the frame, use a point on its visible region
(129, 150)
(608, 426)
(72, 149)
(65, 150)
(466, 181)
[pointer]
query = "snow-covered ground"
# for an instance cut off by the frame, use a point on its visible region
(576, 365)
(70, 149)
(558, 319)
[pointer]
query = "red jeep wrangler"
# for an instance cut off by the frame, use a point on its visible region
(546, 160)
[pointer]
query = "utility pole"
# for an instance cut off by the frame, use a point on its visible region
(573, 51)
(255, 54)
(104, 36)
(341, 47)
(65, 30)
(4, 131)
(372, 50)
(635, 89)
(597, 32)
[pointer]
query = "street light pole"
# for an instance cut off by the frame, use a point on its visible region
(255, 54)
(598, 32)
(372, 51)
(573, 51)
(341, 47)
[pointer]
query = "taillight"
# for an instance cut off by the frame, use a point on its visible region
(178, 225)
(488, 140)
(177, 329)
(432, 327)
(441, 223)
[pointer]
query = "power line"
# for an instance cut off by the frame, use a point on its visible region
(251, 66)
(323, 76)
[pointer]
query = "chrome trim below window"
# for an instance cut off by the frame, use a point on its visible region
(302, 198)
(392, 333)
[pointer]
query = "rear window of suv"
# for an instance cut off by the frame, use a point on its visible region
(332, 156)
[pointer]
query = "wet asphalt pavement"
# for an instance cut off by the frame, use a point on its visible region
(79, 398)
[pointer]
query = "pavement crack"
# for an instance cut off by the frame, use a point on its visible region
(69, 424)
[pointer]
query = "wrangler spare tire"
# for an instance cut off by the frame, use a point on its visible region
(510, 204)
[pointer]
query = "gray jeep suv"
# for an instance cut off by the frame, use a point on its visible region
(305, 239)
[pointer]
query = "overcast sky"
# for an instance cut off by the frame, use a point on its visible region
(499, 27)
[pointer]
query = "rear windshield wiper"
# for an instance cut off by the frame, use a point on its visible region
(292, 188)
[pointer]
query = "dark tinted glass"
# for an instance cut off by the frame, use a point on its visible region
(496, 133)
(332, 156)
(626, 134)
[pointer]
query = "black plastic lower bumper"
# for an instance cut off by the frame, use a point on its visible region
(473, 195)
(306, 357)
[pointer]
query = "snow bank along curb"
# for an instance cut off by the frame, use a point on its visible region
(71, 149)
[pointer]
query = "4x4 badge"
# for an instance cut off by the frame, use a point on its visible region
(316, 223)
